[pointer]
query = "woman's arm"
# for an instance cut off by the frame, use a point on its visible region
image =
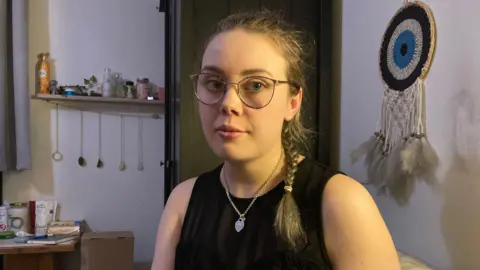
(170, 226)
(355, 234)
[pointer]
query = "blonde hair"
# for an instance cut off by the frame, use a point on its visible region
(288, 224)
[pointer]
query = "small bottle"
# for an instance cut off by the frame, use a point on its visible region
(43, 73)
(129, 85)
(161, 93)
(107, 90)
(4, 219)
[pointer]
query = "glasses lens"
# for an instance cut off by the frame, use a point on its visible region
(209, 88)
(256, 92)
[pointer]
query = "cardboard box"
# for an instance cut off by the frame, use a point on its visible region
(107, 250)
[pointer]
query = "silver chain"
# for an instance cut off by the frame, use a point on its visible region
(56, 129)
(81, 133)
(242, 215)
(122, 140)
(140, 144)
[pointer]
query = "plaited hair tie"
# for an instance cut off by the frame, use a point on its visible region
(288, 189)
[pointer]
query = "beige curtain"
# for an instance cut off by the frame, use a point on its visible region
(14, 93)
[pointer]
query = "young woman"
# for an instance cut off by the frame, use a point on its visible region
(267, 206)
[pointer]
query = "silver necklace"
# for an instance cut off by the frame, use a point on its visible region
(240, 223)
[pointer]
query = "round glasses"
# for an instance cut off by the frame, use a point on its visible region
(254, 91)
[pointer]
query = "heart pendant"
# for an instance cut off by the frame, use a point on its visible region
(239, 225)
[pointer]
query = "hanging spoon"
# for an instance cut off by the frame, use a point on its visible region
(57, 156)
(99, 162)
(81, 161)
(122, 165)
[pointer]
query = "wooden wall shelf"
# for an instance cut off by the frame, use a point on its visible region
(126, 101)
(104, 104)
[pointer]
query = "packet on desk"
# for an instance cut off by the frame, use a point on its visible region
(45, 212)
(74, 227)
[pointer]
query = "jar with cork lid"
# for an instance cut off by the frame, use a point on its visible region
(143, 88)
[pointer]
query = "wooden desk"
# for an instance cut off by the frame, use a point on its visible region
(32, 256)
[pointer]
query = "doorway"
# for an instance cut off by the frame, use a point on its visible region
(197, 19)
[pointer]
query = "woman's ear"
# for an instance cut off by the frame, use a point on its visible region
(294, 105)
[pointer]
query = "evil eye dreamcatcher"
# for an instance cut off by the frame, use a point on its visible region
(398, 153)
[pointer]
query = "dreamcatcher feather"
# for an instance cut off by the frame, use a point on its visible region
(399, 152)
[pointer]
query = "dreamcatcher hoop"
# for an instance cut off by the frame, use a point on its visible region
(429, 30)
(399, 153)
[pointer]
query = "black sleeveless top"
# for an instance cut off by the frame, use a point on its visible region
(209, 240)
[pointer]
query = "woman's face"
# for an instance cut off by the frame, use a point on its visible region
(234, 130)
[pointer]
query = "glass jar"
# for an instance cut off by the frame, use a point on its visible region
(118, 84)
(19, 217)
(53, 87)
(143, 88)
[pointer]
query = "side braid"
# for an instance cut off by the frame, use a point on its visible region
(288, 223)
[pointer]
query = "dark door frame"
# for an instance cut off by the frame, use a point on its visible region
(171, 8)
(325, 96)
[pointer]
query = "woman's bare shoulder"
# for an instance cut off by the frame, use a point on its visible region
(355, 232)
(170, 225)
(180, 197)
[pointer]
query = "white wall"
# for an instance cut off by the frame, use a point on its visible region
(442, 228)
(83, 38)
